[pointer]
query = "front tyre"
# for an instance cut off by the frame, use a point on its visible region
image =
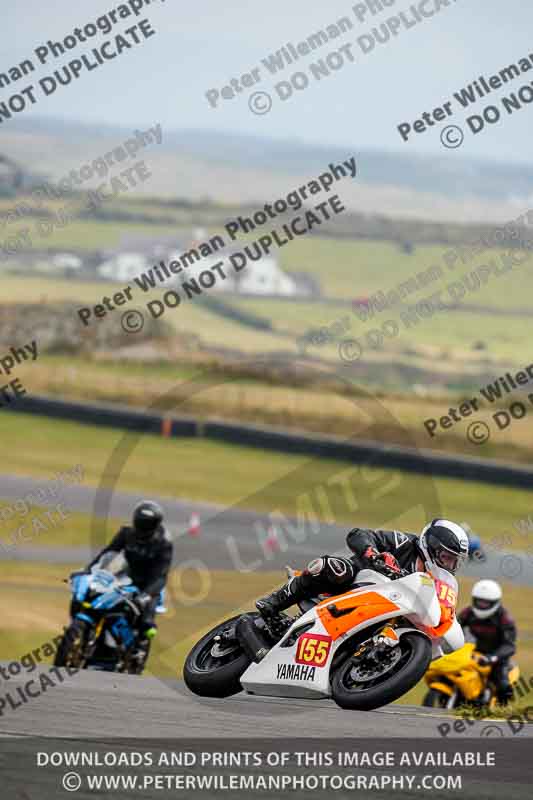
(435, 699)
(71, 650)
(214, 669)
(363, 683)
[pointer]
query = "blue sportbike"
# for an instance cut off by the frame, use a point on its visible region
(103, 633)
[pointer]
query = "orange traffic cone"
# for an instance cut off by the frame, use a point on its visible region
(194, 525)
(272, 541)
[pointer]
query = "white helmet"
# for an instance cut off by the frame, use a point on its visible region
(486, 598)
(444, 544)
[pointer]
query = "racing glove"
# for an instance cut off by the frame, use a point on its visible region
(142, 600)
(370, 554)
(380, 560)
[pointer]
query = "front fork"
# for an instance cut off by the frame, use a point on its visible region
(452, 700)
(91, 631)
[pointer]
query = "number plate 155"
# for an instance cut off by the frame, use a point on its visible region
(313, 649)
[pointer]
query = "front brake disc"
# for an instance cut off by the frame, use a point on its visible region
(362, 673)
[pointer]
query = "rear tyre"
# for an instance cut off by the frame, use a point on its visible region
(71, 650)
(213, 670)
(364, 693)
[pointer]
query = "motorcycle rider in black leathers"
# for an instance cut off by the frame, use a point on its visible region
(147, 548)
(441, 543)
(494, 632)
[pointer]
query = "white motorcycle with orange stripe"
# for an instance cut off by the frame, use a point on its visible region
(363, 648)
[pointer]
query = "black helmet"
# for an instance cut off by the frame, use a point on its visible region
(147, 516)
(444, 544)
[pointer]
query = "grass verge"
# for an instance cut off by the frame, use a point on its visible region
(236, 476)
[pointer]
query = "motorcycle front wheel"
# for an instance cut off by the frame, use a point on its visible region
(435, 699)
(362, 683)
(212, 669)
(71, 650)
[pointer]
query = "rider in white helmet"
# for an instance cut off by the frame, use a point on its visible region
(494, 632)
(441, 544)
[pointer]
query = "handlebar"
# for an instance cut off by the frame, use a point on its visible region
(379, 566)
(393, 574)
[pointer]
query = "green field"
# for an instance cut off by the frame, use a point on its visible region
(274, 391)
(454, 335)
(247, 477)
(86, 233)
(448, 351)
(53, 525)
(82, 235)
(351, 268)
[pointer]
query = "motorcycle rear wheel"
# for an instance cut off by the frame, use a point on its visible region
(366, 695)
(210, 675)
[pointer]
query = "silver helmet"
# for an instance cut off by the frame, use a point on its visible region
(444, 544)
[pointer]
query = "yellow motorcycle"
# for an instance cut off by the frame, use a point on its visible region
(458, 679)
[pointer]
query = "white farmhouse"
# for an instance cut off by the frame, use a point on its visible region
(262, 277)
(123, 267)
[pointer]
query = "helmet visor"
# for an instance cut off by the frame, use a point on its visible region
(447, 560)
(482, 605)
(444, 556)
(144, 530)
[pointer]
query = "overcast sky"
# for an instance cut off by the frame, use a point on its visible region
(202, 45)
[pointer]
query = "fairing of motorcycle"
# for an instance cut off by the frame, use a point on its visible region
(103, 632)
(364, 648)
(462, 678)
(106, 593)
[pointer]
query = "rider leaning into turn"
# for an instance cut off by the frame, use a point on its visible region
(442, 543)
(494, 632)
(147, 548)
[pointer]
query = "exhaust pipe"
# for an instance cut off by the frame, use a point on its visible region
(253, 643)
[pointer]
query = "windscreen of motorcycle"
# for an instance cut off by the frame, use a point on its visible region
(102, 581)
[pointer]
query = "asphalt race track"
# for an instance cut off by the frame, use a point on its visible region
(230, 538)
(92, 713)
(93, 705)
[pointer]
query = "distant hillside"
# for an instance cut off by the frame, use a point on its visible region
(238, 168)
(454, 178)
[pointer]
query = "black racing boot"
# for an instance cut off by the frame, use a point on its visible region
(140, 651)
(271, 606)
(504, 693)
